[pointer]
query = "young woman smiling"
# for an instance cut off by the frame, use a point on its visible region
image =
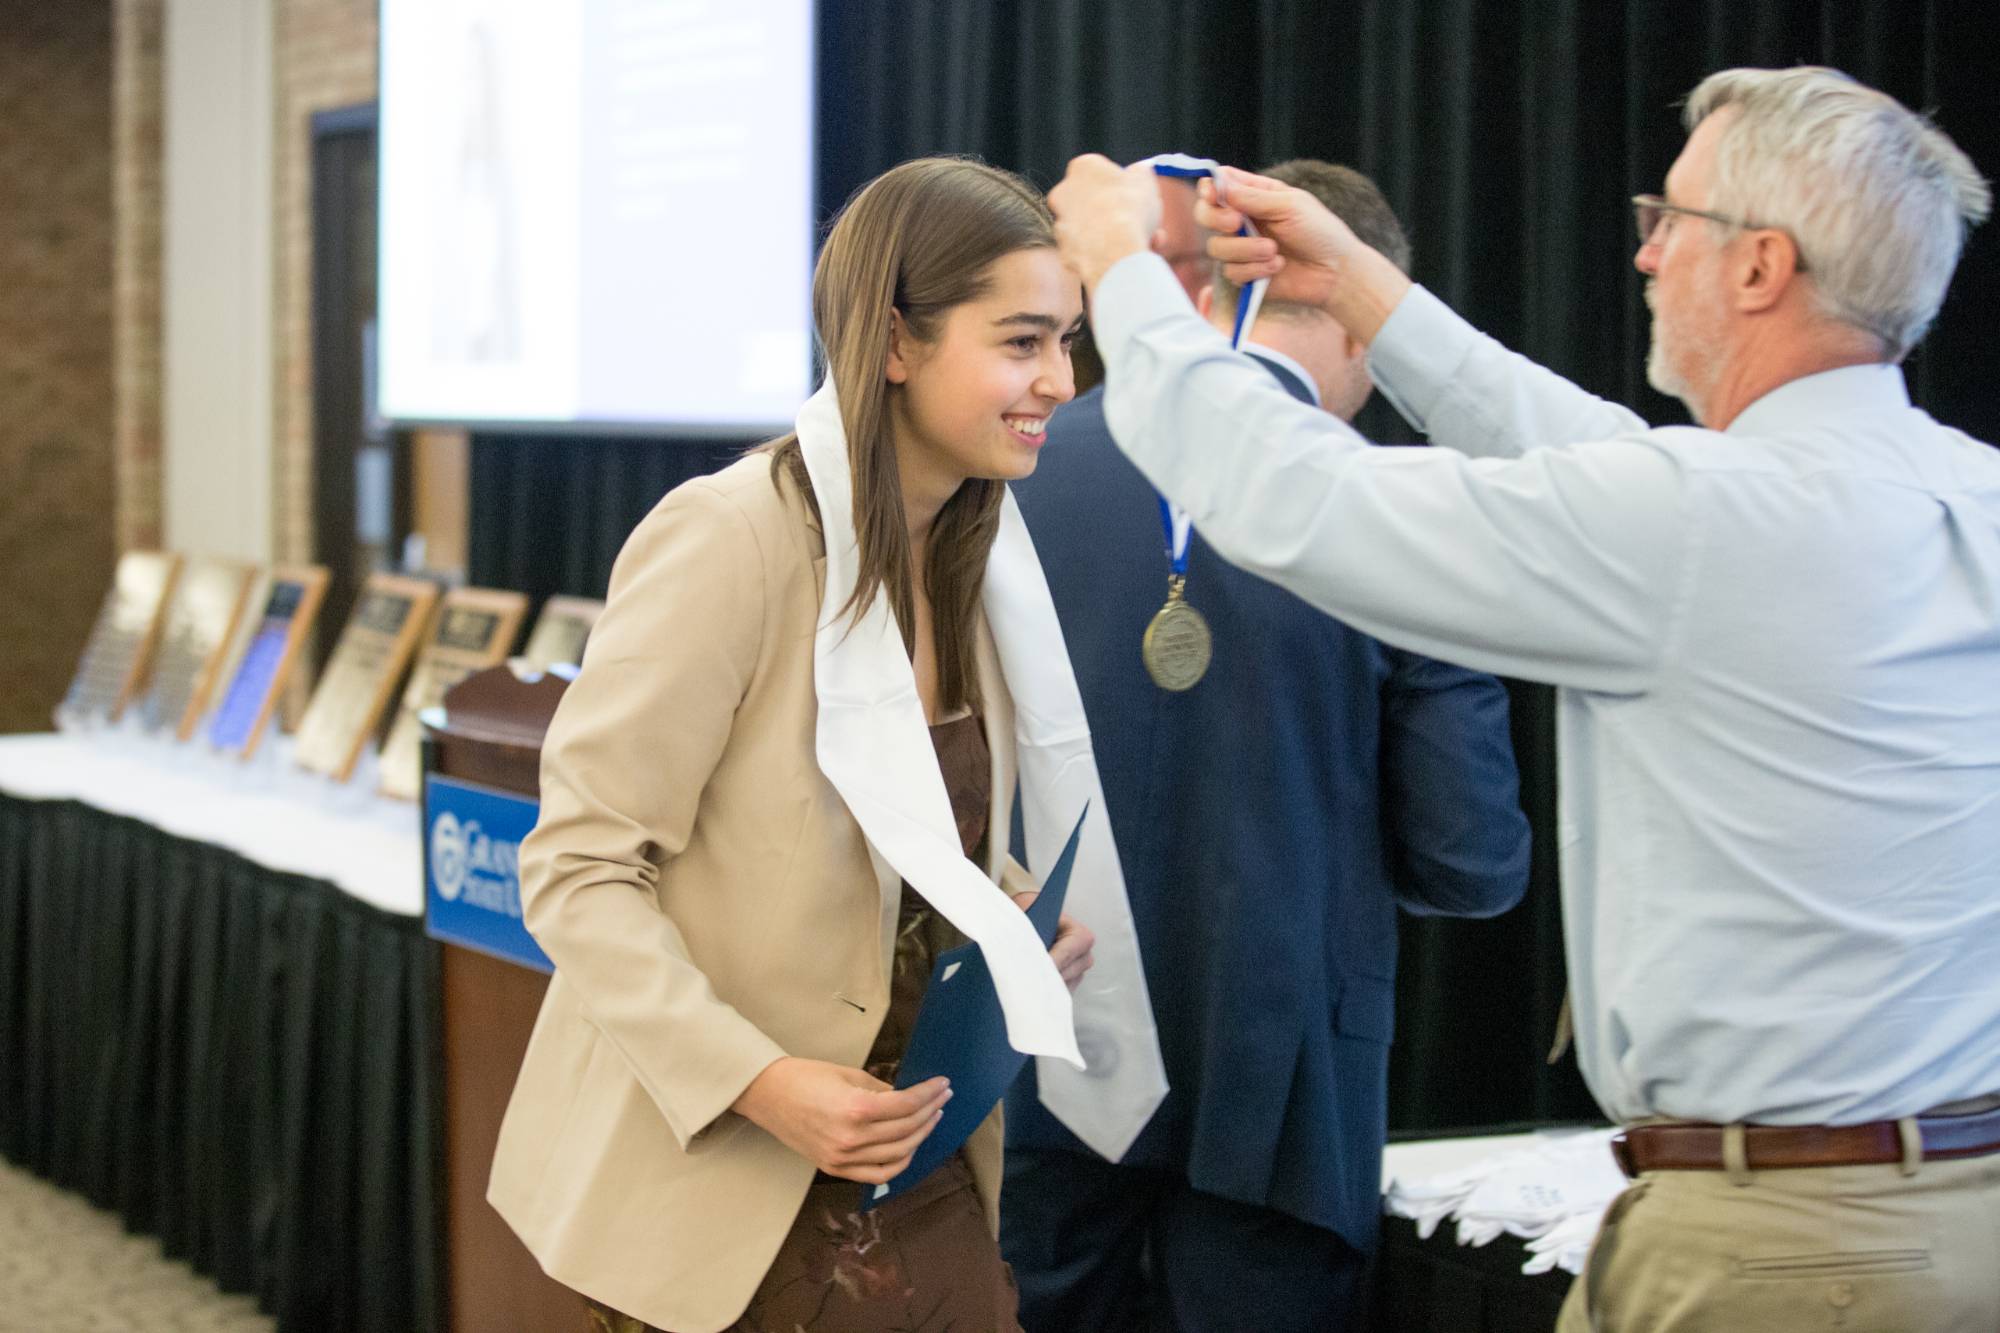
(746, 865)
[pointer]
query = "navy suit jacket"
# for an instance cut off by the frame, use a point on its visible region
(1270, 821)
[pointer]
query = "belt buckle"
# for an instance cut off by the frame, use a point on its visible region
(1621, 1153)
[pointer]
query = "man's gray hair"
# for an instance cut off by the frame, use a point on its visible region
(1876, 197)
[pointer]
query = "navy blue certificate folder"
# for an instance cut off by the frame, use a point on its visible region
(962, 1034)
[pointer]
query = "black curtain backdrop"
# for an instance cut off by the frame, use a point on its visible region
(1509, 137)
(241, 1063)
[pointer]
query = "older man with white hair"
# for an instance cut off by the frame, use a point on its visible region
(1776, 638)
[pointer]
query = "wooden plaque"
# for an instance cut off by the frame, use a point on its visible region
(119, 654)
(201, 617)
(361, 676)
(278, 621)
(474, 629)
(560, 631)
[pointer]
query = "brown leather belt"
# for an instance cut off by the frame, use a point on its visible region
(1641, 1148)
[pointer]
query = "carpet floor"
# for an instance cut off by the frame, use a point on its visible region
(65, 1267)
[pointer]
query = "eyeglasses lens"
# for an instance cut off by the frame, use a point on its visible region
(1647, 213)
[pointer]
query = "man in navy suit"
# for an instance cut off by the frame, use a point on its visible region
(1271, 819)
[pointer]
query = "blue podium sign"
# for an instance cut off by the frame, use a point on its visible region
(472, 875)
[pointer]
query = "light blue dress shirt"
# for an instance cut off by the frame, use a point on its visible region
(1777, 649)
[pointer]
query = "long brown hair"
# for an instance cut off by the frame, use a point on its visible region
(918, 239)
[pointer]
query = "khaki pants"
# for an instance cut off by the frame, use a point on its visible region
(1858, 1249)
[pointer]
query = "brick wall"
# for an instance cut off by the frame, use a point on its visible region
(325, 56)
(80, 322)
(56, 380)
(135, 290)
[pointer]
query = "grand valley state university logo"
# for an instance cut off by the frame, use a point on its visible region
(472, 852)
(467, 863)
(448, 856)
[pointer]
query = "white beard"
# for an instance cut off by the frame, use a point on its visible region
(1659, 372)
(1699, 356)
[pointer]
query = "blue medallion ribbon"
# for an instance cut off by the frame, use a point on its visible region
(1173, 519)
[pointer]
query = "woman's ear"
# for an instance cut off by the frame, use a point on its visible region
(898, 369)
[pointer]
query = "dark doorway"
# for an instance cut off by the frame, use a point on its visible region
(360, 467)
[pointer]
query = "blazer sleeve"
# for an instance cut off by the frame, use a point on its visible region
(1450, 790)
(631, 747)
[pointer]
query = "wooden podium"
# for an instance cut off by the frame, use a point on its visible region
(489, 739)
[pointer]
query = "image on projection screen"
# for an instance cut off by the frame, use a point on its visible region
(548, 251)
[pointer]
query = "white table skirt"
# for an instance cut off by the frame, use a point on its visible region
(267, 811)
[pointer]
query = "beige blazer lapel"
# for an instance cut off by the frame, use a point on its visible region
(888, 883)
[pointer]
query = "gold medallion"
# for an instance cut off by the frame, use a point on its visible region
(1178, 645)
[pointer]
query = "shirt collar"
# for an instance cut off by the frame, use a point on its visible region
(1850, 391)
(1276, 357)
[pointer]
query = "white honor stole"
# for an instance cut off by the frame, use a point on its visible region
(875, 748)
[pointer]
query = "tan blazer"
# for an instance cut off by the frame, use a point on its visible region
(710, 905)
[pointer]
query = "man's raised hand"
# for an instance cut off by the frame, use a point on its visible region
(1310, 256)
(1104, 212)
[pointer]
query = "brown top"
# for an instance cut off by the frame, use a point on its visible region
(922, 934)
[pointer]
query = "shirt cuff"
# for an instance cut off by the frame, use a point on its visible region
(1137, 290)
(1417, 353)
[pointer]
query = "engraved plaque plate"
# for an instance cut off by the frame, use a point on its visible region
(116, 659)
(201, 617)
(362, 674)
(474, 629)
(278, 624)
(560, 631)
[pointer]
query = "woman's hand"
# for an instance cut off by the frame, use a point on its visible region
(843, 1121)
(1071, 953)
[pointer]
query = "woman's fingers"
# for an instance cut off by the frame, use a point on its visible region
(1071, 953)
(869, 1175)
(897, 1151)
(878, 1129)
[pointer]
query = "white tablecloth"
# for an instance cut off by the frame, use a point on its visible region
(1419, 1159)
(267, 811)
(1549, 1188)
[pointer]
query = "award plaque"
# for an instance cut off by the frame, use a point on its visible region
(474, 629)
(361, 676)
(278, 624)
(246, 629)
(119, 654)
(201, 618)
(560, 631)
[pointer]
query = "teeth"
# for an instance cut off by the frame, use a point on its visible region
(1026, 425)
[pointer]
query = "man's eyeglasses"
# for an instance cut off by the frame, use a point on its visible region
(1650, 210)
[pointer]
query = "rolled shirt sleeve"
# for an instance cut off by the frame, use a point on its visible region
(1469, 393)
(1555, 564)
